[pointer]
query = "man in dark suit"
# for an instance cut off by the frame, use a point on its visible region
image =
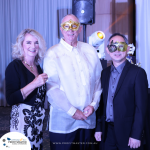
(122, 112)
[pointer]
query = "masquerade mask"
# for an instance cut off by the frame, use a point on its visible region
(120, 46)
(70, 25)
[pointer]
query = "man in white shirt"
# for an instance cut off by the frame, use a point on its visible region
(73, 89)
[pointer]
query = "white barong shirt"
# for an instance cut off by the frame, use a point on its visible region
(73, 83)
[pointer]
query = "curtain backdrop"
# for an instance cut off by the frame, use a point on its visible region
(143, 35)
(15, 15)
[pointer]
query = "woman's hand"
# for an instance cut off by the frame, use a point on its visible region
(40, 80)
(37, 82)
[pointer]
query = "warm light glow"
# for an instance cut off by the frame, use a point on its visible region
(100, 35)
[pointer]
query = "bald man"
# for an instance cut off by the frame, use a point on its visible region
(73, 89)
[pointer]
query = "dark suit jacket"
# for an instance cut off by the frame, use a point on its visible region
(130, 103)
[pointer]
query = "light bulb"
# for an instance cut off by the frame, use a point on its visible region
(100, 35)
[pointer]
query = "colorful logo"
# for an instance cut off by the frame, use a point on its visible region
(14, 141)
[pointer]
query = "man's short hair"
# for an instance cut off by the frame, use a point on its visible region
(70, 15)
(118, 34)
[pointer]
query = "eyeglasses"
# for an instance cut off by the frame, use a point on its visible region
(120, 46)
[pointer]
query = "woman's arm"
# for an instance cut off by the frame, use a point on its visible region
(14, 93)
(37, 82)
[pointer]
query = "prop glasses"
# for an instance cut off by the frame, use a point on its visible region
(120, 46)
(70, 25)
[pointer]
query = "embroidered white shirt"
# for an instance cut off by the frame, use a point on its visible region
(73, 83)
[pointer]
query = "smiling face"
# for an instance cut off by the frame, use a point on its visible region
(30, 46)
(118, 57)
(70, 36)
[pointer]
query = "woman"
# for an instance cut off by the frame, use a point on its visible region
(25, 87)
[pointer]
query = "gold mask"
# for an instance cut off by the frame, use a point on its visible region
(120, 46)
(70, 25)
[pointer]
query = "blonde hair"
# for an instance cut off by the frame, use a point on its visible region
(18, 52)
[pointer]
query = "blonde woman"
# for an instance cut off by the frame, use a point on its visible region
(25, 87)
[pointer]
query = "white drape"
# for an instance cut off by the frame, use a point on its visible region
(143, 35)
(16, 15)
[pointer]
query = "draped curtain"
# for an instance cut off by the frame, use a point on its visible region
(143, 35)
(15, 15)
